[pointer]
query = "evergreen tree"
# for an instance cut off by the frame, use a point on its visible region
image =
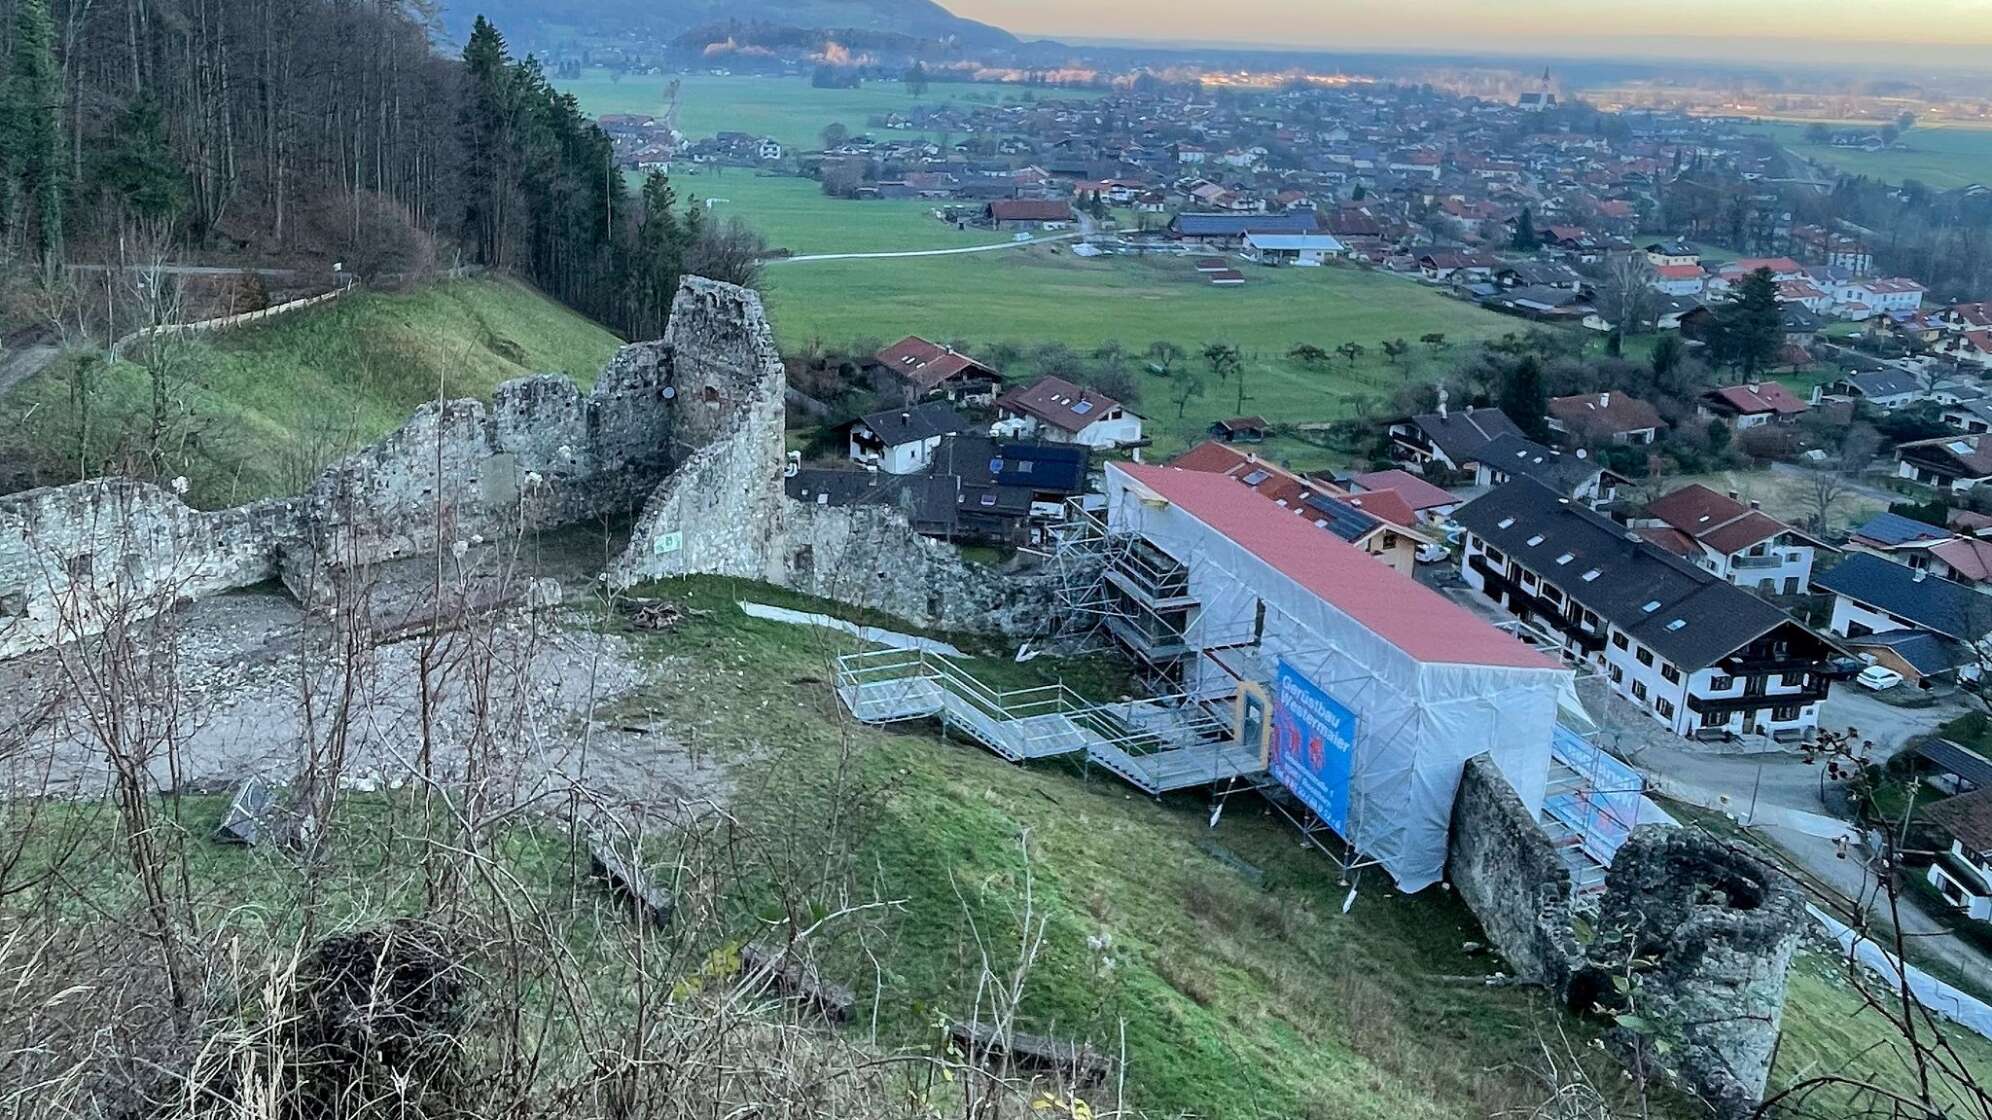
(32, 168)
(1525, 400)
(1750, 327)
(137, 167)
(1525, 232)
(484, 123)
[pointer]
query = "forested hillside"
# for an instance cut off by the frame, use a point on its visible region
(292, 132)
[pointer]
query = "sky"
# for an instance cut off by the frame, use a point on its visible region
(1831, 30)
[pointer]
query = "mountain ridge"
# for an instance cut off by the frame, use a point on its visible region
(535, 23)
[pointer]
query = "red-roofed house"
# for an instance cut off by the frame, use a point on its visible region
(1430, 502)
(1032, 213)
(1057, 411)
(928, 369)
(1368, 690)
(1738, 542)
(1605, 417)
(1679, 279)
(1749, 406)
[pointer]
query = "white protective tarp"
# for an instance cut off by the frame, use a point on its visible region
(1418, 722)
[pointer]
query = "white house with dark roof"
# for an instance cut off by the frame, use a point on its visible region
(902, 440)
(1057, 411)
(1693, 651)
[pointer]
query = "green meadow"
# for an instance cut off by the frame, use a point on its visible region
(1940, 155)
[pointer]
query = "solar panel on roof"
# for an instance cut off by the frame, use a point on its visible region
(1083, 407)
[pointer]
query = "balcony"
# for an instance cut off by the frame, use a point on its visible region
(1747, 702)
(1761, 563)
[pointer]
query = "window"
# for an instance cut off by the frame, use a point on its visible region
(1791, 680)
(1255, 478)
(1785, 714)
(1664, 707)
(1494, 556)
(1618, 675)
(1720, 683)
(1670, 674)
(1645, 656)
(1715, 719)
(1619, 641)
(1639, 690)
(1535, 540)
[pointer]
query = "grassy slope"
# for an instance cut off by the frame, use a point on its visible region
(273, 403)
(1234, 1000)
(1036, 295)
(1941, 156)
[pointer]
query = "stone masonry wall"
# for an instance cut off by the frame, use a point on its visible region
(75, 558)
(720, 513)
(1509, 874)
(1707, 932)
(1692, 937)
(868, 556)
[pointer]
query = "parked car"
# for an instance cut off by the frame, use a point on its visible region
(1879, 678)
(1433, 554)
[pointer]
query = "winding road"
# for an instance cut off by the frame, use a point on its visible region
(997, 247)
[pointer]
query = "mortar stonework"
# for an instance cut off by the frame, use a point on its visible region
(1692, 937)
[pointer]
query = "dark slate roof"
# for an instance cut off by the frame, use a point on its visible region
(1517, 455)
(1883, 383)
(1931, 602)
(938, 504)
(1462, 434)
(1048, 468)
(920, 422)
(1894, 529)
(1715, 618)
(1927, 653)
(1953, 758)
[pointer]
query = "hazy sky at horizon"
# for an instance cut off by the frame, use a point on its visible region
(1560, 26)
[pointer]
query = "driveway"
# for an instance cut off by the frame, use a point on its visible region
(1888, 725)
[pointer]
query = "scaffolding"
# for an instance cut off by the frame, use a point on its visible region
(1157, 744)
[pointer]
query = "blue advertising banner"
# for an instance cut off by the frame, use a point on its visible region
(1314, 746)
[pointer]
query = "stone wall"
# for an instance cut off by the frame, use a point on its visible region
(542, 454)
(1707, 932)
(1701, 934)
(75, 558)
(1509, 873)
(721, 511)
(869, 556)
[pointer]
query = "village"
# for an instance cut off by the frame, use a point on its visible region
(1611, 646)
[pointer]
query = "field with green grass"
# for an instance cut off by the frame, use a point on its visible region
(1939, 155)
(789, 109)
(259, 411)
(794, 214)
(1044, 294)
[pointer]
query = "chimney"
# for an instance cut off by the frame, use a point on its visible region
(1754, 386)
(1604, 400)
(1442, 402)
(1735, 495)
(1755, 504)
(1922, 574)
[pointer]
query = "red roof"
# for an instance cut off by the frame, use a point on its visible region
(1030, 210)
(1679, 272)
(1416, 492)
(927, 365)
(1416, 619)
(1767, 396)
